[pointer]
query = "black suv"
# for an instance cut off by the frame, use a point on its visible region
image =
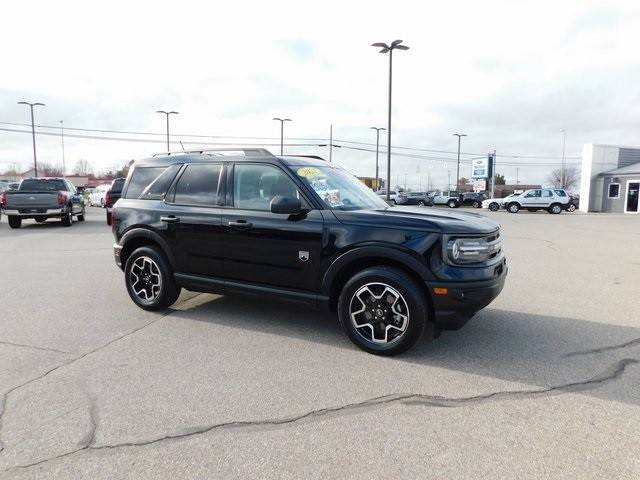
(302, 229)
(473, 199)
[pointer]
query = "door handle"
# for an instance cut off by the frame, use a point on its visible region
(170, 219)
(241, 224)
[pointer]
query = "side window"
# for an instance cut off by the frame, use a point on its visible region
(534, 193)
(141, 178)
(255, 185)
(198, 185)
(547, 193)
(158, 187)
(560, 193)
(614, 190)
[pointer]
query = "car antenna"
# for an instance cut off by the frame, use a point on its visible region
(183, 149)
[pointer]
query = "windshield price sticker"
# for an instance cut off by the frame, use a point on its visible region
(309, 172)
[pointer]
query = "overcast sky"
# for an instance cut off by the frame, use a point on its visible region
(510, 75)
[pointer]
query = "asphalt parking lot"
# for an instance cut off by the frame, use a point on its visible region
(544, 383)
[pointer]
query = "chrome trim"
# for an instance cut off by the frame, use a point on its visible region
(51, 211)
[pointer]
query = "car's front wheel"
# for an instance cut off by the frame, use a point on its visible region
(476, 204)
(384, 311)
(149, 279)
(421, 203)
(513, 208)
(452, 204)
(494, 207)
(555, 209)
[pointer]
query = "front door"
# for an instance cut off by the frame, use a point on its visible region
(633, 192)
(279, 250)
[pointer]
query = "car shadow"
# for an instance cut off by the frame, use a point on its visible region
(537, 350)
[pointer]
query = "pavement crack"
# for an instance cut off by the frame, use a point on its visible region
(90, 436)
(409, 399)
(35, 347)
(630, 343)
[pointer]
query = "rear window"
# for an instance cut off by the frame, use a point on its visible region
(33, 185)
(560, 193)
(141, 178)
(117, 185)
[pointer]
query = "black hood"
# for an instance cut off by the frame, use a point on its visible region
(432, 219)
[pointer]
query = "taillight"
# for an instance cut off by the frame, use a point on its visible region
(3, 198)
(62, 199)
(107, 198)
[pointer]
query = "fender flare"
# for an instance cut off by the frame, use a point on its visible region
(140, 232)
(373, 251)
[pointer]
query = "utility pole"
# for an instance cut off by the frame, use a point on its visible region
(493, 174)
(330, 142)
(282, 120)
(33, 133)
(64, 168)
(396, 44)
(517, 171)
(448, 179)
(459, 135)
(167, 115)
(377, 129)
(562, 174)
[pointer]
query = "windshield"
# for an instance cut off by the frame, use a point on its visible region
(338, 189)
(33, 185)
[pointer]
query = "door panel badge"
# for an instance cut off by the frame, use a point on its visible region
(303, 256)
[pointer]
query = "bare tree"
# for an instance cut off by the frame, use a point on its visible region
(48, 170)
(82, 167)
(571, 177)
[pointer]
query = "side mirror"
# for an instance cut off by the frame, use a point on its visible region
(286, 205)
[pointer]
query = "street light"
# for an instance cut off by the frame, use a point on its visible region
(396, 44)
(377, 129)
(33, 133)
(64, 168)
(282, 120)
(459, 135)
(167, 115)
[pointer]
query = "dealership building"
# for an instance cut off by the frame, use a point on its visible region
(610, 179)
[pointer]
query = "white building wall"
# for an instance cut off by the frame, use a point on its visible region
(595, 159)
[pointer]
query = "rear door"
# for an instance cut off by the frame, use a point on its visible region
(262, 247)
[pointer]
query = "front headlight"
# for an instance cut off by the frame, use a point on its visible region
(473, 249)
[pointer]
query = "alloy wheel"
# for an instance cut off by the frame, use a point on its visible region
(145, 279)
(379, 313)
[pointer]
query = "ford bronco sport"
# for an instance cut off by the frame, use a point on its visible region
(301, 229)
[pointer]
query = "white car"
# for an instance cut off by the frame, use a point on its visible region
(553, 200)
(96, 197)
(393, 195)
(494, 204)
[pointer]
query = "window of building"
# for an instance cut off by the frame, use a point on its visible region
(198, 185)
(614, 190)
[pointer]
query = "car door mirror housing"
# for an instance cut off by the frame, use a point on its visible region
(286, 205)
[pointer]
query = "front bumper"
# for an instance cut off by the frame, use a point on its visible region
(35, 212)
(463, 300)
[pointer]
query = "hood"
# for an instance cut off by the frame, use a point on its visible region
(420, 218)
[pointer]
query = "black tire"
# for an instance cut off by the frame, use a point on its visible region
(421, 203)
(14, 222)
(555, 209)
(513, 207)
(476, 204)
(41, 219)
(411, 296)
(67, 218)
(109, 218)
(167, 293)
(494, 207)
(452, 204)
(81, 215)
(102, 203)
(571, 207)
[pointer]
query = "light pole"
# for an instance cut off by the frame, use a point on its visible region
(564, 138)
(459, 135)
(64, 169)
(33, 133)
(377, 129)
(396, 44)
(282, 120)
(167, 115)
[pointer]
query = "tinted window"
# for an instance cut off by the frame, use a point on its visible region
(198, 185)
(141, 179)
(116, 186)
(255, 186)
(614, 190)
(43, 185)
(534, 193)
(156, 189)
(560, 193)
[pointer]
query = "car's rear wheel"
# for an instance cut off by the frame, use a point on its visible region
(421, 203)
(452, 204)
(81, 215)
(384, 311)
(555, 209)
(476, 204)
(571, 208)
(67, 218)
(149, 279)
(513, 207)
(494, 207)
(15, 222)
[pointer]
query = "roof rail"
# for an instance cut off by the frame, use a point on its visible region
(221, 151)
(305, 156)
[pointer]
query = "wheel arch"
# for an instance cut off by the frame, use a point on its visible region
(140, 237)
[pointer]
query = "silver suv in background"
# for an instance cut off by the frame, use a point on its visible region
(451, 199)
(553, 200)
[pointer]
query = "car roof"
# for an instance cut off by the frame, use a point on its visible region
(230, 155)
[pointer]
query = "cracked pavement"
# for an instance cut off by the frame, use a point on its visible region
(542, 384)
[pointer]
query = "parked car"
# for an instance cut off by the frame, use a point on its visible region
(13, 186)
(42, 198)
(96, 197)
(393, 195)
(414, 198)
(112, 196)
(302, 229)
(494, 204)
(574, 203)
(451, 199)
(473, 199)
(554, 200)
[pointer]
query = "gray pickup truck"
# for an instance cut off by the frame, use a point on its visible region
(40, 199)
